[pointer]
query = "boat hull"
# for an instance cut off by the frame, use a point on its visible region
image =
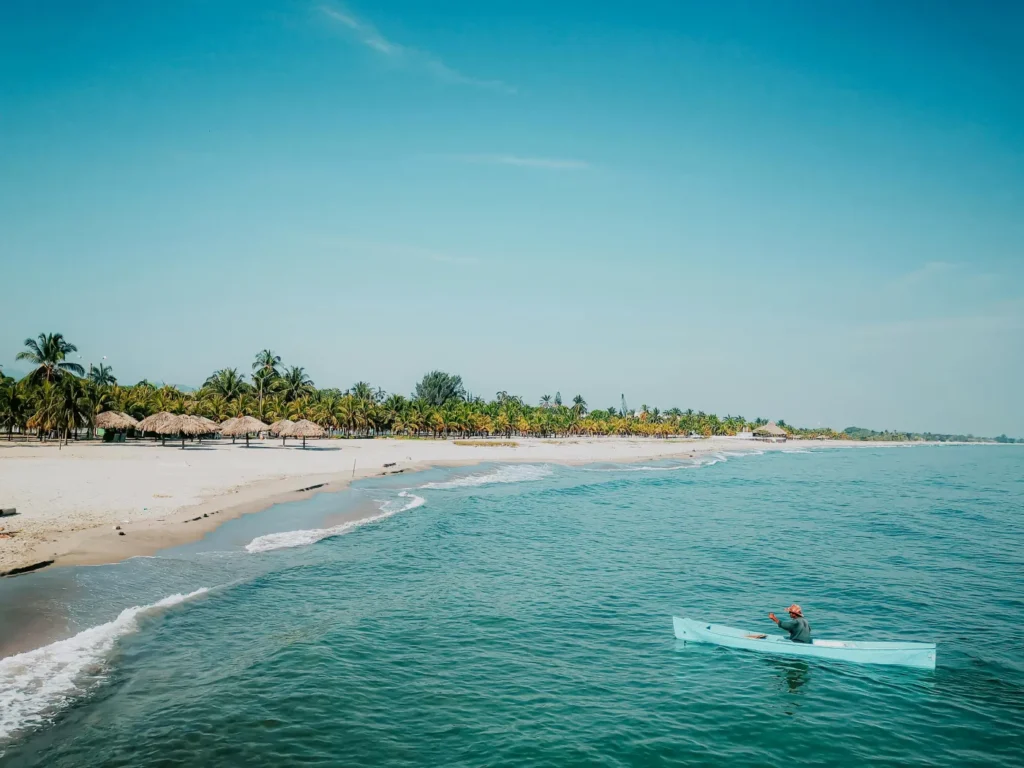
(920, 655)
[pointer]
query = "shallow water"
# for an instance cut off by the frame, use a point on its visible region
(522, 614)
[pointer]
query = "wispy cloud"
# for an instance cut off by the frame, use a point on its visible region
(367, 34)
(391, 250)
(445, 258)
(997, 317)
(551, 163)
(930, 271)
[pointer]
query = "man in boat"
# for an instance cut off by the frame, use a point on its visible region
(797, 626)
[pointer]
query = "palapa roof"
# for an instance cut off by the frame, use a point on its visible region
(114, 420)
(771, 428)
(226, 424)
(243, 425)
(129, 420)
(278, 426)
(164, 423)
(194, 425)
(303, 428)
(155, 422)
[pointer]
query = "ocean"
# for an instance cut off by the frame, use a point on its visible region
(505, 615)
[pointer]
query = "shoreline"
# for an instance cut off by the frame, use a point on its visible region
(96, 541)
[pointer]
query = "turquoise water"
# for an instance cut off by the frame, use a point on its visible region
(528, 621)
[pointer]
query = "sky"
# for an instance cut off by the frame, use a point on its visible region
(785, 210)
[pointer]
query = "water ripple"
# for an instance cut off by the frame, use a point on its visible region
(512, 623)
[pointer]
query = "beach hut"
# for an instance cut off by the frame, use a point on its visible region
(303, 429)
(770, 432)
(243, 425)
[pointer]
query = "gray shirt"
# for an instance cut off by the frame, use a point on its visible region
(798, 628)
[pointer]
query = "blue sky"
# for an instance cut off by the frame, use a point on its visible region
(791, 210)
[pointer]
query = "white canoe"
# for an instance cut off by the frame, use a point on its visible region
(905, 654)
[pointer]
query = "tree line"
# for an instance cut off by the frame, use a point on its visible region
(59, 399)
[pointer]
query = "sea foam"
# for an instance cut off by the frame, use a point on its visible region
(287, 539)
(696, 463)
(510, 473)
(35, 684)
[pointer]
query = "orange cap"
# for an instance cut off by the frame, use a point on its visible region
(795, 610)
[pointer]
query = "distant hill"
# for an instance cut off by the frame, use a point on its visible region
(860, 433)
(15, 373)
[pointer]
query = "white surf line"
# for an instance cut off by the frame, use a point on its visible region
(35, 684)
(288, 539)
(510, 473)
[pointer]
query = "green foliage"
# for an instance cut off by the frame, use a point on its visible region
(860, 433)
(56, 402)
(49, 354)
(438, 388)
(102, 375)
(295, 384)
(227, 382)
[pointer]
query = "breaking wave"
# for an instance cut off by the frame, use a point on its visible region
(35, 684)
(705, 461)
(510, 473)
(288, 539)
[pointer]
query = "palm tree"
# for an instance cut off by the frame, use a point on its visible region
(264, 382)
(226, 382)
(545, 401)
(295, 384)
(74, 406)
(15, 406)
(49, 354)
(95, 399)
(579, 405)
(102, 375)
(216, 407)
(243, 405)
(362, 390)
(266, 363)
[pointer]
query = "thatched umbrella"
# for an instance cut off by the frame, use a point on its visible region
(212, 427)
(129, 421)
(111, 420)
(771, 429)
(303, 429)
(156, 423)
(184, 425)
(243, 425)
(226, 425)
(279, 425)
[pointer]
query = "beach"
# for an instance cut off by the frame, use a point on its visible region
(74, 502)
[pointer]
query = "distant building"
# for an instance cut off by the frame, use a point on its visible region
(771, 433)
(743, 434)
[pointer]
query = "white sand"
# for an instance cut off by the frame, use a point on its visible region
(70, 499)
